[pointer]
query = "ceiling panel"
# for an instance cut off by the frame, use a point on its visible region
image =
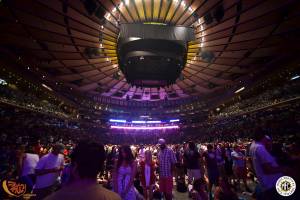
(58, 33)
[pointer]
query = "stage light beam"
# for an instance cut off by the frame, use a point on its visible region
(118, 120)
(138, 122)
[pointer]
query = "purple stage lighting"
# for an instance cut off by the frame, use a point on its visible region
(138, 122)
(144, 127)
(153, 122)
(118, 120)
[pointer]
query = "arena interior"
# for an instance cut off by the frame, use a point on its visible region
(150, 99)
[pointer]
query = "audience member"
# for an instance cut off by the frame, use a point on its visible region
(147, 173)
(224, 191)
(265, 166)
(47, 171)
(192, 162)
(27, 163)
(166, 160)
(124, 174)
(87, 160)
(239, 166)
(211, 167)
(199, 191)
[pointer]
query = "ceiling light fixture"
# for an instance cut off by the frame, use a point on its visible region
(3, 82)
(47, 87)
(107, 16)
(295, 77)
(183, 4)
(239, 90)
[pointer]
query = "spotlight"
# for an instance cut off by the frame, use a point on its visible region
(295, 77)
(118, 120)
(239, 90)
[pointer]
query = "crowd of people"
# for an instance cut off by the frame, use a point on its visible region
(238, 155)
(144, 136)
(231, 157)
(267, 97)
(34, 98)
(219, 170)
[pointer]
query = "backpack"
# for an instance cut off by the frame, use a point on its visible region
(181, 186)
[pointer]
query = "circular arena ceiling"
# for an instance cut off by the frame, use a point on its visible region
(74, 42)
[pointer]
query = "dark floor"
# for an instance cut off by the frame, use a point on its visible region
(184, 196)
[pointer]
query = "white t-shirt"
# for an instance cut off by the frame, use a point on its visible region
(29, 163)
(48, 161)
(260, 156)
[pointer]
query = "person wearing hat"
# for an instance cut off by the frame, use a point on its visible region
(48, 170)
(166, 160)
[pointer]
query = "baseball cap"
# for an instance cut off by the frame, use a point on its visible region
(161, 141)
